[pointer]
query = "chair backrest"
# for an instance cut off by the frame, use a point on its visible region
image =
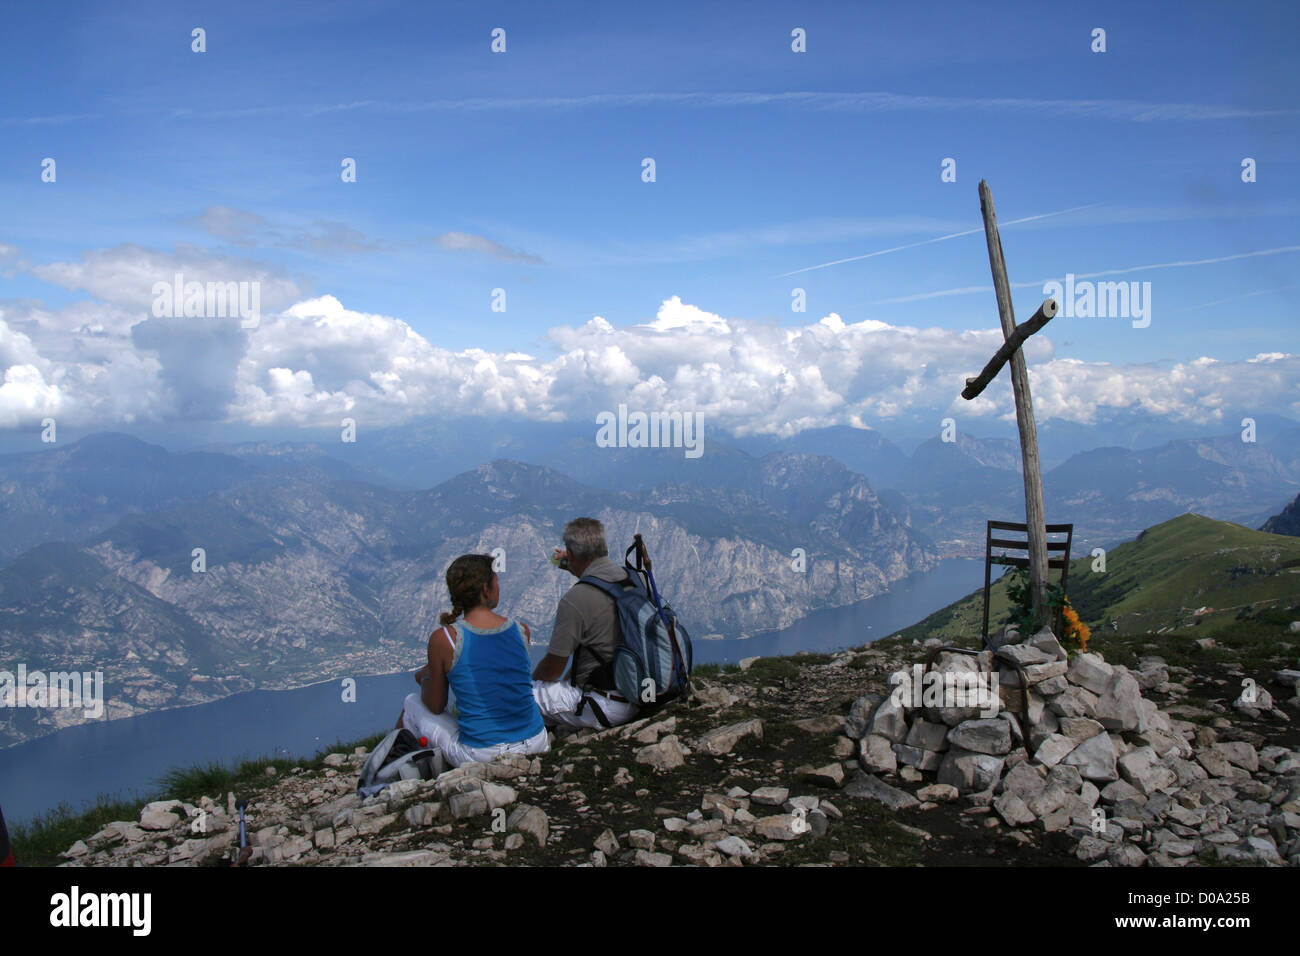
(1058, 558)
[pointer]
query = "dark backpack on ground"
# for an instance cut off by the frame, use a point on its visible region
(399, 756)
(653, 657)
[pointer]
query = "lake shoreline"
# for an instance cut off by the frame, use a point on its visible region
(127, 756)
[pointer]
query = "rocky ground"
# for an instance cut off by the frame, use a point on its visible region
(803, 760)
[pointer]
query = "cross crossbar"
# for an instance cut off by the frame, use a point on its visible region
(1046, 312)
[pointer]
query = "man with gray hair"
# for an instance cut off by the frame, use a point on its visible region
(586, 629)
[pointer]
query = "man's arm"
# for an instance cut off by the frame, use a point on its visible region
(550, 668)
(564, 641)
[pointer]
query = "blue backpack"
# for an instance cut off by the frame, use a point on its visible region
(652, 662)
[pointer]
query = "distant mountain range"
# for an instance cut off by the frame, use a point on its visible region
(66, 493)
(325, 559)
(948, 490)
(1109, 494)
(309, 577)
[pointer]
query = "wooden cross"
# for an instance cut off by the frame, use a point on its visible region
(1015, 337)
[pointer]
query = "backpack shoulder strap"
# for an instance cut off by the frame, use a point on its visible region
(609, 587)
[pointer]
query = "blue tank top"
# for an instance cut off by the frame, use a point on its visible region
(490, 676)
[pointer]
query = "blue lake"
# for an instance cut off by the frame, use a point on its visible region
(126, 757)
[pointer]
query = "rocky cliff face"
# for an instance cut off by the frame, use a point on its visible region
(312, 580)
(312, 576)
(1287, 522)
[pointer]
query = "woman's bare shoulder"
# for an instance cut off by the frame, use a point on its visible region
(438, 640)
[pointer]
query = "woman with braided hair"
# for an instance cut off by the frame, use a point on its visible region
(476, 698)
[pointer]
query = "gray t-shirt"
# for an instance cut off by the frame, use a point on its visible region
(586, 616)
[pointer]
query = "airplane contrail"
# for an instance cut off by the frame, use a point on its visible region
(926, 242)
(1231, 298)
(1178, 264)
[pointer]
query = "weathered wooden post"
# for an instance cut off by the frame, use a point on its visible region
(1035, 516)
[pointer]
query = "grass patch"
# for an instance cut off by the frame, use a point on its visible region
(770, 669)
(714, 670)
(191, 783)
(1157, 583)
(1255, 641)
(40, 842)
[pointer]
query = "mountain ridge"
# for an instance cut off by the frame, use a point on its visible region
(305, 581)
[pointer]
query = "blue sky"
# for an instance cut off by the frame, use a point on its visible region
(522, 171)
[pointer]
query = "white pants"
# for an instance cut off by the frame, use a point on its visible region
(444, 733)
(558, 702)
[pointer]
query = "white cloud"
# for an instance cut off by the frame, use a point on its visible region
(315, 362)
(319, 361)
(125, 275)
(326, 237)
(674, 314)
(76, 374)
(468, 242)
(109, 362)
(25, 395)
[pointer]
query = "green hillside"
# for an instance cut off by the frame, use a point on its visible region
(1157, 583)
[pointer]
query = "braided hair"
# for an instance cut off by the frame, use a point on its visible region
(467, 576)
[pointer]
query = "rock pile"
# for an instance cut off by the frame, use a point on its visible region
(312, 816)
(475, 813)
(763, 767)
(1091, 758)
